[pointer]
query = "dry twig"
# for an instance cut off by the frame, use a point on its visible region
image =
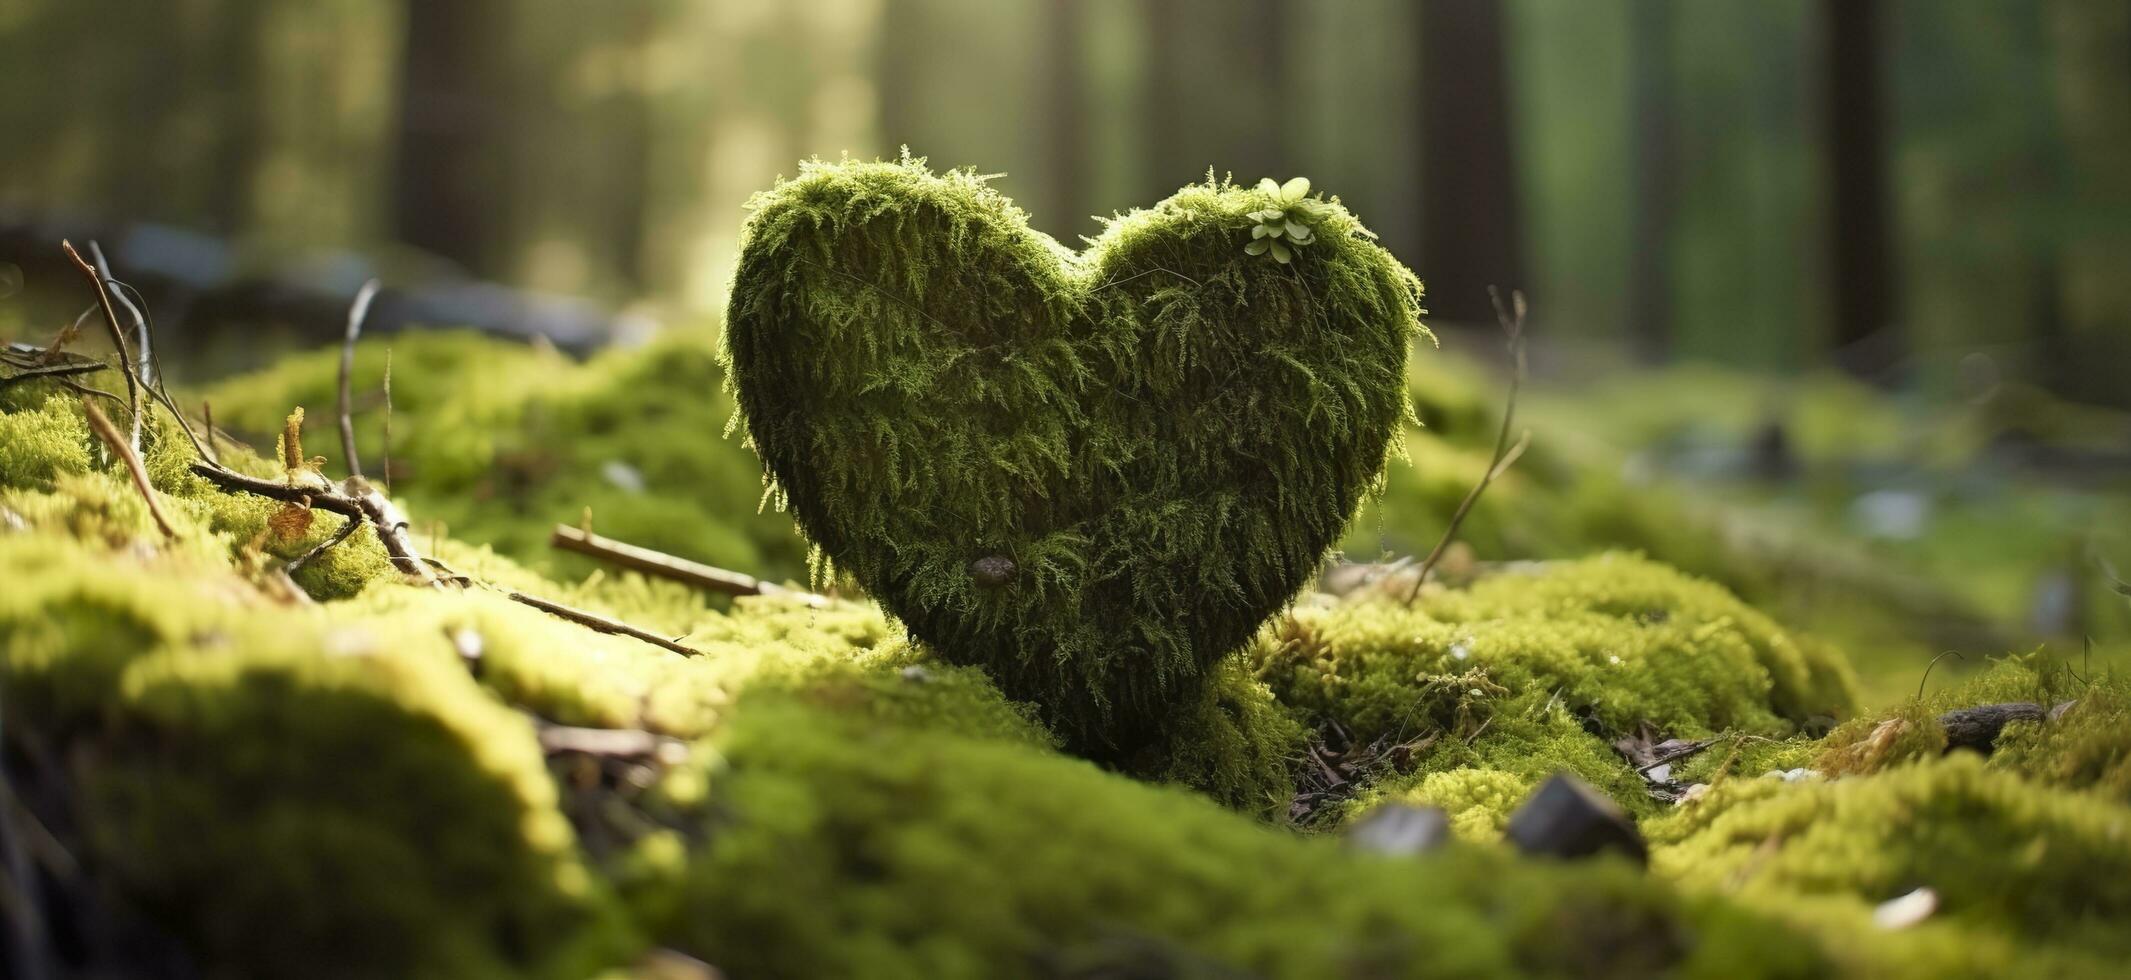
(661, 565)
(356, 312)
(347, 528)
(110, 435)
(600, 624)
(1512, 320)
(118, 337)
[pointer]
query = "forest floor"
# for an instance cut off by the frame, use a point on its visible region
(238, 741)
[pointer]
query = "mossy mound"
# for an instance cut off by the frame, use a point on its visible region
(1094, 474)
(2081, 741)
(1037, 865)
(497, 443)
(1491, 689)
(287, 796)
(2025, 867)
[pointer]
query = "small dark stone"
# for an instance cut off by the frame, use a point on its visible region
(1400, 829)
(1565, 818)
(1978, 727)
(992, 571)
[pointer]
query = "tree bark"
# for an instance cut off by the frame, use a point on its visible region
(1470, 213)
(448, 180)
(1650, 327)
(1167, 161)
(1860, 234)
(1064, 117)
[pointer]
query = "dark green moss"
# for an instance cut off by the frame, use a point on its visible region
(848, 852)
(1159, 437)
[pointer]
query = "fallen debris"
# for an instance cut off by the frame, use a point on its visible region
(1400, 830)
(1566, 818)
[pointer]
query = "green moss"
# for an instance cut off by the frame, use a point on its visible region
(1479, 801)
(1162, 434)
(2087, 747)
(1233, 742)
(911, 855)
(284, 796)
(2003, 855)
(498, 442)
(1528, 673)
(42, 440)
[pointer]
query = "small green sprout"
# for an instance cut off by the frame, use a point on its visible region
(1282, 228)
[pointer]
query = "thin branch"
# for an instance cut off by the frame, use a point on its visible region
(52, 371)
(661, 565)
(364, 505)
(347, 527)
(207, 417)
(110, 435)
(144, 363)
(356, 312)
(1677, 754)
(1955, 654)
(67, 335)
(388, 421)
(118, 336)
(1512, 320)
(600, 624)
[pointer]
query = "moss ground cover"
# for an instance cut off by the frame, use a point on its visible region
(344, 773)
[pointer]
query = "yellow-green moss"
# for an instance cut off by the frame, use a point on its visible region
(2004, 855)
(284, 795)
(1478, 801)
(1531, 672)
(498, 442)
(2087, 747)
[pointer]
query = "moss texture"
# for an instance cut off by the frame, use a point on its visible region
(1094, 474)
(1038, 865)
(853, 805)
(283, 795)
(2006, 858)
(497, 443)
(1533, 672)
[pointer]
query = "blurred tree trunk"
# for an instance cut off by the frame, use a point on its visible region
(1656, 162)
(1470, 233)
(631, 232)
(449, 179)
(1168, 161)
(898, 50)
(2092, 81)
(1264, 147)
(1064, 119)
(1859, 222)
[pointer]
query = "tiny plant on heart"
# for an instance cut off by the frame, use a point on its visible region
(1289, 223)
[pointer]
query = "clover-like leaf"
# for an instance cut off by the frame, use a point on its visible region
(1294, 190)
(1268, 185)
(1256, 248)
(1280, 252)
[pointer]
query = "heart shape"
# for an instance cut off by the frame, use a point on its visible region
(1092, 474)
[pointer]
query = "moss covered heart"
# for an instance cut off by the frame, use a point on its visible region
(1092, 474)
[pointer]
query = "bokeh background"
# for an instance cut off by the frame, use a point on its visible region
(1773, 183)
(1851, 276)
